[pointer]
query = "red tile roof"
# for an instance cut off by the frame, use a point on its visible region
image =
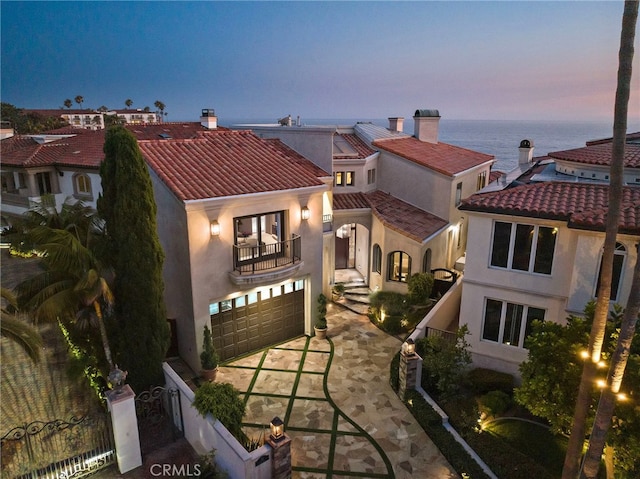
(600, 154)
(441, 157)
(394, 213)
(228, 163)
(176, 131)
(581, 205)
(495, 174)
(358, 145)
(83, 150)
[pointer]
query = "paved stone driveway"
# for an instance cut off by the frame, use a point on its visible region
(337, 405)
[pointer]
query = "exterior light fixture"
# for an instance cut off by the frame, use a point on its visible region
(409, 347)
(601, 383)
(215, 228)
(584, 354)
(305, 213)
(622, 397)
(277, 429)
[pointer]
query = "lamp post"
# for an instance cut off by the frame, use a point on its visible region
(281, 445)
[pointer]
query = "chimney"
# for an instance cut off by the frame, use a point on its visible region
(526, 152)
(396, 123)
(208, 119)
(426, 123)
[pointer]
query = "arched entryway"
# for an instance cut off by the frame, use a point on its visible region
(352, 248)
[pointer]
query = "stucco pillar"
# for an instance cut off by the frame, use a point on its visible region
(121, 403)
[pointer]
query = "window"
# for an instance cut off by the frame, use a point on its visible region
(458, 193)
(376, 260)
(399, 266)
(482, 180)
(259, 235)
(82, 185)
(44, 183)
(371, 176)
(523, 247)
(619, 255)
(344, 178)
(426, 261)
(509, 323)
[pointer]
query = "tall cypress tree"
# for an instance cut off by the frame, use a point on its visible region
(141, 331)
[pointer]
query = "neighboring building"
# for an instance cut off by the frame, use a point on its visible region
(535, 244)
(136, 117)
(77, 118)
(394, 195)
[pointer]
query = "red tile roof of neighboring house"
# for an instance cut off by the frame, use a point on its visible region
(83, 150)
(630, 137)
(394, 213)
(582, 205)
(600, 154)
(363, 150)
(495, 174)
(175, 131)
(228, 163)
(441, 157)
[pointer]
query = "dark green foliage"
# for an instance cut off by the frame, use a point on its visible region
(30, 123)
(393, 303)
(208, 356)
(494, 403)
(431, 422)
(484, 380)
(444, 366)
(321, 320)
(128, 208)
(223, 402)
(420, 286)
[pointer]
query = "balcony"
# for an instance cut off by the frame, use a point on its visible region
(265, 263)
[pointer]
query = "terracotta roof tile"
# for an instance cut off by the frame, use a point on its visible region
(170, 130)
(581, 205)
(441, 157)
(228, 163)
(394, 213)
(358, 145)
(600, 154)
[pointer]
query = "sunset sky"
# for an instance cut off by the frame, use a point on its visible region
(470, 60)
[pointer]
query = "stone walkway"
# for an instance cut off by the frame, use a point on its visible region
(337, 405)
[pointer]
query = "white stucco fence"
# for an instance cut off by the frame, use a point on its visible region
(206, 434)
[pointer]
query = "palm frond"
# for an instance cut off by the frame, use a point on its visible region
(25, 335)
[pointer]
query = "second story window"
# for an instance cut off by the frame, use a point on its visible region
(259, 235)
(523, 247)
(458, 193)
(82, 185)
(44, 183)
(619, 256)
(482, 180)
(371, 176)
(344, 178)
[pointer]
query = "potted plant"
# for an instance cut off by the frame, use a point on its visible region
(338, 291)
(208, 357)
(321, 320)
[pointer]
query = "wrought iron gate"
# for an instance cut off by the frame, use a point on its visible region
(159, 417)
(60, 448)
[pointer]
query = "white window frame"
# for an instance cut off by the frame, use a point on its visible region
(503, 313)
(533, 251)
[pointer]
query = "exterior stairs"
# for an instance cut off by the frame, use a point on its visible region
(355, 297)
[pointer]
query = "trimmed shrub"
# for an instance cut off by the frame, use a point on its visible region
(223, 402)
(420, 286)
(394, 372)
(495, 402)
(486, 380)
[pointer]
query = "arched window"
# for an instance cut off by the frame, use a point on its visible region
(619, 256)
(376, 259)
(82, 185)
(426, 261)
(399, 266)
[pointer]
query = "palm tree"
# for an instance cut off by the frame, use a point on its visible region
(72, 287)
(128, 102)
(160, 106)
(68, 103)
(12, 326)
(80, 100)
(596, 339)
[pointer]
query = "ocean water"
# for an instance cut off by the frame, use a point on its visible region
(500, 138)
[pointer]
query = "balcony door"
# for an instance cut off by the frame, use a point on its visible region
(259, 236)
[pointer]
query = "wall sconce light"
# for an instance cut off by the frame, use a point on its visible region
(215, 228)
(409, 347)
(277, 429)
(305, 213)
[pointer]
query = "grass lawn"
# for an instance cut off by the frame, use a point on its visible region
(533, 440)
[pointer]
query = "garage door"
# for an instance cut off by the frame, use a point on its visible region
(256, 320)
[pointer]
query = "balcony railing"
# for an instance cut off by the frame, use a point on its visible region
(248, 259)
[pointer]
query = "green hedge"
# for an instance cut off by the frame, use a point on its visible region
(486, 380)
(452, 450)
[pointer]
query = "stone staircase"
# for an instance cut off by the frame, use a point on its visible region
(355, 297)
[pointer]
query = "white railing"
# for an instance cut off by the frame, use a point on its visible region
(207, 434)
